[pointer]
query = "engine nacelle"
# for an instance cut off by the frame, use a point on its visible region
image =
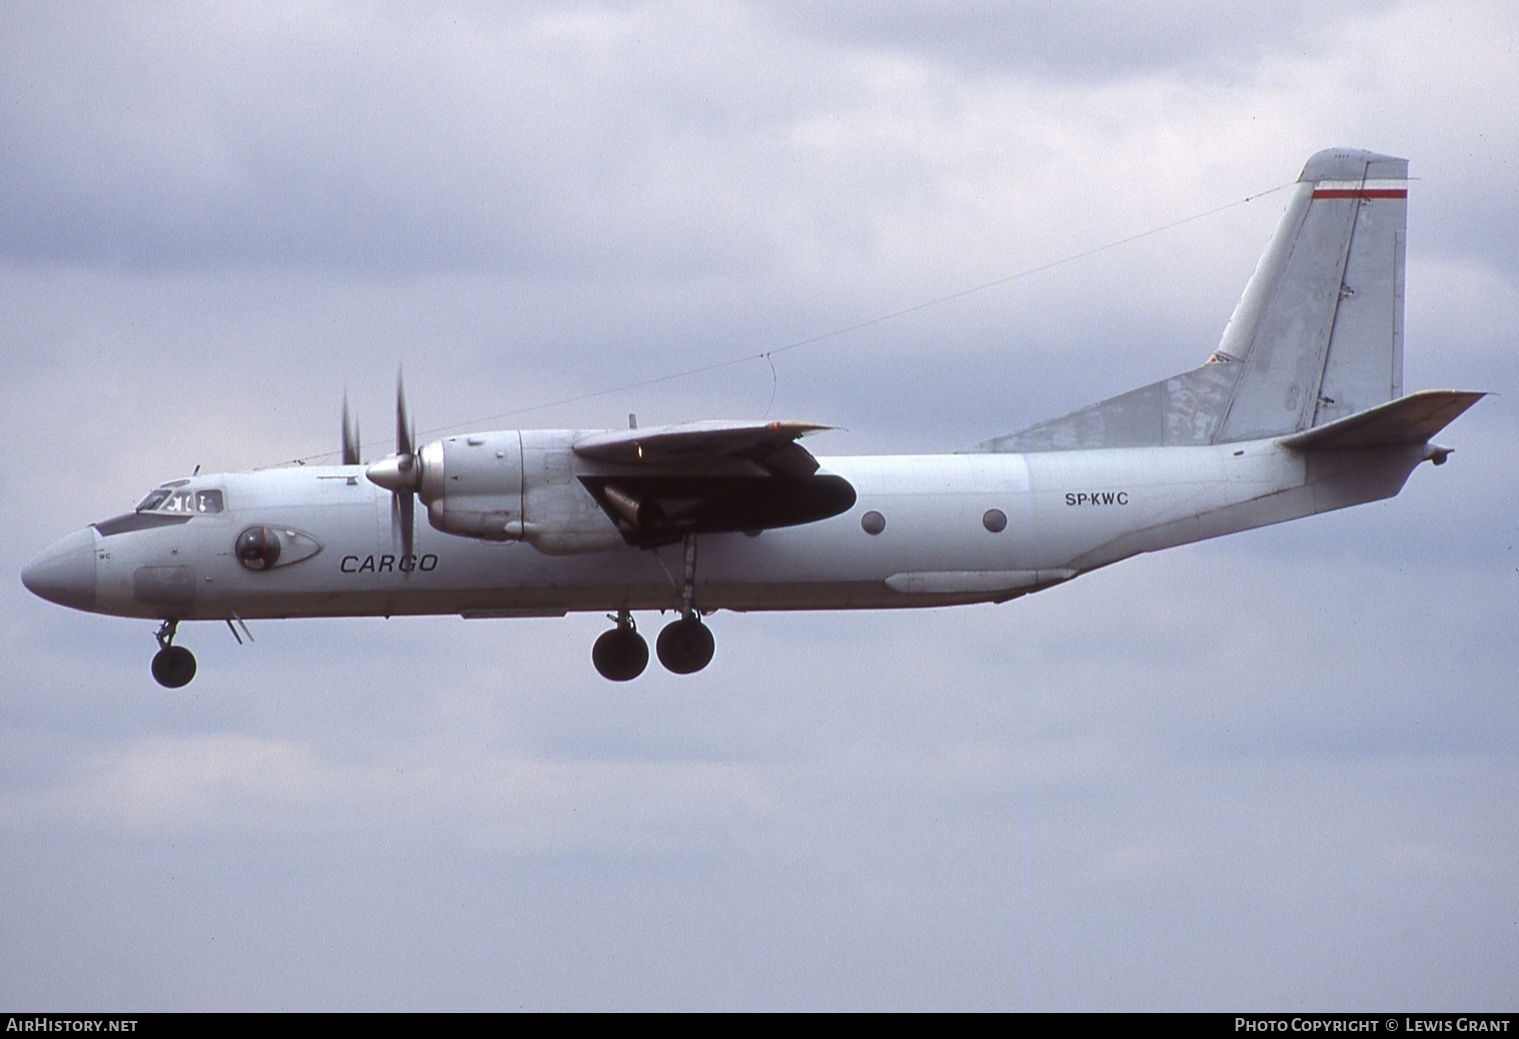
(472, 485)
(565, 491)
(559, 515)
(513, 485)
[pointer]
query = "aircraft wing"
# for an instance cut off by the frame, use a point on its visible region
(700, 443)
(662, 483)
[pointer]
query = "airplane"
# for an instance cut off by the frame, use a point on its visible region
(1299, 410)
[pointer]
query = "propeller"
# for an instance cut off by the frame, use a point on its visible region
(401, 474)
(350, 435)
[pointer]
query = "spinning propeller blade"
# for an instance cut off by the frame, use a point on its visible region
(404, 427)
(350, 436)
(403, 509)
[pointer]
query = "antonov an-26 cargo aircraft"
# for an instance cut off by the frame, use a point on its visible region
(1299, 410)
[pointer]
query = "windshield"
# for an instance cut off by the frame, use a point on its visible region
(182, 501)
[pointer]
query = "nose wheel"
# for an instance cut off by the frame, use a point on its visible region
(173, 666)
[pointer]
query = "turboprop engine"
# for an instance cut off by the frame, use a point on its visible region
(508, 485)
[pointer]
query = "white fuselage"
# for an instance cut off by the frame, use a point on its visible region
(1065, 513)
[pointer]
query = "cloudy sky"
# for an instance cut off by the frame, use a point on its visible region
(1275, 771)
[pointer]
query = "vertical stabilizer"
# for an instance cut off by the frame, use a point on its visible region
(1317, 336)
(1319, 331)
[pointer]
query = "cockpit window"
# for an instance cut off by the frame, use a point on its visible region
(182, 501)
(153, 500)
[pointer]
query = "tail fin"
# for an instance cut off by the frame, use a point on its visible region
(1319, 331)
(1317, 336)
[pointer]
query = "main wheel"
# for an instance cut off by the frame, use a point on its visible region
(685, 646)
(620, 655)
(173, 666)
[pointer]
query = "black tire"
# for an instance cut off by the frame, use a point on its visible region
(685, 646)
(173, 667)
(620, 655)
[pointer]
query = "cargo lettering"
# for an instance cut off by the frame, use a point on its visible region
(386, 564)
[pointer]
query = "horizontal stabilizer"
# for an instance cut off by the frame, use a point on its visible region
(1407, 420)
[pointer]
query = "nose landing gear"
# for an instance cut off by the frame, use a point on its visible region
(173, 666)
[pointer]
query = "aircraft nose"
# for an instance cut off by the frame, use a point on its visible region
(65, 571)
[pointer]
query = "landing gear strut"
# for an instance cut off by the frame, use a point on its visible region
(685, 646)
(620, 655)
(173, 666)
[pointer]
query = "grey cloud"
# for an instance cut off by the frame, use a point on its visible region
(1085, 41)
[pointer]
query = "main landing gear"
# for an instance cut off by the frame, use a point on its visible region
(621, 654)
(173, 666)
(685, 646)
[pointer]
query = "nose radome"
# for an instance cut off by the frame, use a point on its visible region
(65, 571)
